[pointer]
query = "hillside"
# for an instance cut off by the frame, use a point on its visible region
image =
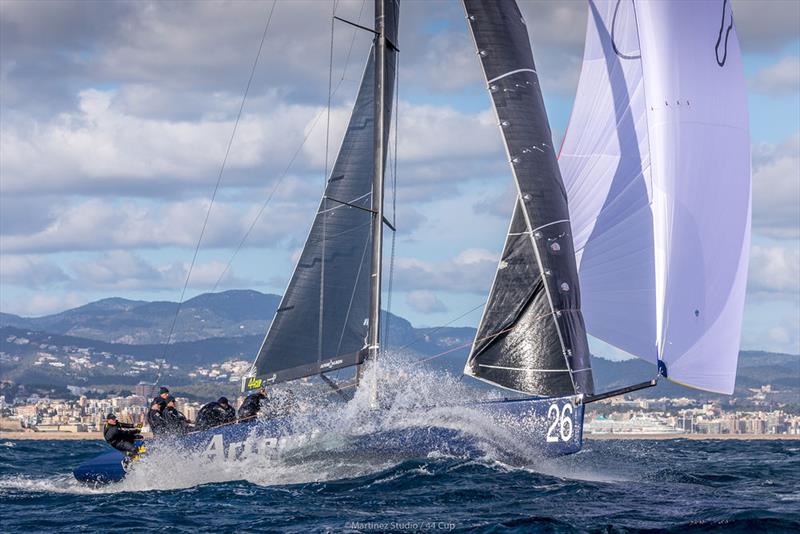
(235, 313)
(119, 341)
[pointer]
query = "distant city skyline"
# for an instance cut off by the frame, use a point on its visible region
(116, 116)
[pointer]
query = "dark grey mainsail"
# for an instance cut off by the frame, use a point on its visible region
(532, 336)
(322, 322)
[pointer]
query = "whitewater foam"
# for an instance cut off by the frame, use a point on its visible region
(321, 448)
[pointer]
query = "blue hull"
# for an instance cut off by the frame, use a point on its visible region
(546, 427)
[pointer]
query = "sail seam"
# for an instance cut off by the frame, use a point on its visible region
(509, 73)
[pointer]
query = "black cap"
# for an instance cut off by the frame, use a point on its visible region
(111, 416)
(163, 390)
(160, 402)
(222, 400)
(170, 399)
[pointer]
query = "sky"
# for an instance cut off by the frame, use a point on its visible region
(115, 118)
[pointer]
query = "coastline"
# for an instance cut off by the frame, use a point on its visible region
(694, 437)
(61, 436)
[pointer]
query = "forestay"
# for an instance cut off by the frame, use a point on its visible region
(656, 162)
(531, 337)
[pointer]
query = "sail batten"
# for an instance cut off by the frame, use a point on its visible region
(532, 319)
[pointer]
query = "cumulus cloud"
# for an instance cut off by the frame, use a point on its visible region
(781, 78)
(124, 270)
(30, 271)
(101, 150)
(44, 303)
(776, 189)
(470, 271)
(425, 302)
(98, 225)
(766, 26)
(775, 270)
(775, 330)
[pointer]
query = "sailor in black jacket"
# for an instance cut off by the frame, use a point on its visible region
(155, 417)
(119, 435)
(252, 405)
(215, 414)
(163, 393)
(176, 422)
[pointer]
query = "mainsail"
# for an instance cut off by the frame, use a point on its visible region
(322, 322)
(531, 337)
(656, 162)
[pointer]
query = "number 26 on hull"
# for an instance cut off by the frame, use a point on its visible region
(561, 426)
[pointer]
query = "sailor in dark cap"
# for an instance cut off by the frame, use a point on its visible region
(176, 422)
(163, 393)
(120, 435)
(214, 414)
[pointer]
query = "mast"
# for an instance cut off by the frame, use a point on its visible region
(373, 335)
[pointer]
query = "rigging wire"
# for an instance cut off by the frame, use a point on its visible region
(422, 336)
(288, 167)
(219, 180)
(386, 329)
(324, 203)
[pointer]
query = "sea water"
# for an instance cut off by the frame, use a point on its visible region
(316, 484)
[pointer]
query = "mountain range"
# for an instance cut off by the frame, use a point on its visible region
(120, 341)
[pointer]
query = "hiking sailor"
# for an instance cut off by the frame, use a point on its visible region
(214, 414)
(155, 417)
(122, 436)
(176, 422)
(252, 405)
(163, 393)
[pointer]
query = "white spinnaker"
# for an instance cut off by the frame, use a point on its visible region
(700, 151)
(605, 165)
(694, 127)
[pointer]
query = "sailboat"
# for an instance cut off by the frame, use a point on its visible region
(612, 227)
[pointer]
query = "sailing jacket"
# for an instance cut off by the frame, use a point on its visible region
(251, 406)
(214, 414)
(120, 433)
(175, 421)
(156, 421)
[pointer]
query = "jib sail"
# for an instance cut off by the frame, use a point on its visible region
(531, 337)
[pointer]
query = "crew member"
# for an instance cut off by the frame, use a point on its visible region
(176, 422)
(163, 393)
(214, 414)
(252, 405)
(155, 417)
(120, 435)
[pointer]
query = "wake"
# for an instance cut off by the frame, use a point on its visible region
(323, 449)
